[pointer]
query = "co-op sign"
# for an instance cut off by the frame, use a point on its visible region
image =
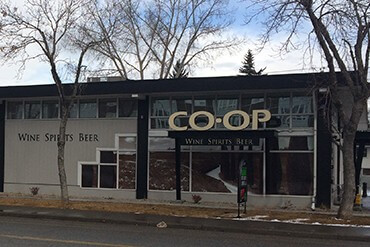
(258, 116)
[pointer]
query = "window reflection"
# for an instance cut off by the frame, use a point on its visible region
(14, 110)
(107, 108)
(182, 104)
(88, 108)
(224, 105)
(205, 103)
(32, 109)
(161, 107)
(250, 103)
(289, 174)
(50, 109)
(278, 104)
(127, 108)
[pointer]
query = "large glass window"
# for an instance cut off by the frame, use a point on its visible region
(205, 103)
(289, 173)
(218, 171)
(107, 108)
(162, 171)
(127, 108)
(162, 165)
(127, 168)
(302, 112)
(252, 102)
(160, 111)
(32, 109)
(224, 105)
(278, 103)
(127, 162)
(289, 168)
(14, 110)
(88, 108)
(50, 109)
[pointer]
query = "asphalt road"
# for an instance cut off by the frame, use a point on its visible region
(16, 231)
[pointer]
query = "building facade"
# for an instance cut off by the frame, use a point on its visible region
(118, 144)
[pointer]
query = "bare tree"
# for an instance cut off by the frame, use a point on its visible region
(341, 29)
(47, 30)
(152, 36)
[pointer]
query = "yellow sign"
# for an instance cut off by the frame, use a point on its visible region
(258, 116)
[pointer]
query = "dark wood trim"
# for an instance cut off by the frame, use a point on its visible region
(324, 162)
(2, 144)
(142, 149)
(178, 170)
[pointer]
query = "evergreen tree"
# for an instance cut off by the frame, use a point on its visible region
(179, 71)
(247, 67)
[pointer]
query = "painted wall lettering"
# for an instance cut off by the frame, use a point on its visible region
(55, 137)
(88, 137)
(25, 137)
(51, 137)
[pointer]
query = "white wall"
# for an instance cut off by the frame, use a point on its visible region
(34, 162)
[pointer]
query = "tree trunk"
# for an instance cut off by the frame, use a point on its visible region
(61, 147)
(349, 188)
(349, 134)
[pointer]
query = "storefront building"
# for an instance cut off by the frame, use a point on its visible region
(118, 143)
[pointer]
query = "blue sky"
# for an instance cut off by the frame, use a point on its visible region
(224, 64)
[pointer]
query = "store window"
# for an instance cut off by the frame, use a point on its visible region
(289, 169)
(287, 111)
(32, 109)
(14, 110)
(108, 176)
(302, 112)
(289, 174)
(88, 108)
(127, 162)
(160, 112)
(108, 156)
(162, 164)
(73, 113)
(103, 174)
(182, 104)
(50, 109)
(127, 108)
(90, 176)
(127, 170)
(225, 104)
(107, 108)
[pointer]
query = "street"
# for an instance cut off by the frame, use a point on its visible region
(16, 231)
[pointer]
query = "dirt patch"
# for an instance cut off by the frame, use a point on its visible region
(188, 210)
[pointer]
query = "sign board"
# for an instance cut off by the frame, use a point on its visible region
(258, 116)
(243, 186)
(227, 141)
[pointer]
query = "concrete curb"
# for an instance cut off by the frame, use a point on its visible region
(209, 224)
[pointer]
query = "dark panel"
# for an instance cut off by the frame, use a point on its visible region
(178, 170)
(2, 144)
(324, 150)
(142, 149)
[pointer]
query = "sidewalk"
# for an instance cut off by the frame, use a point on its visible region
(242, 225)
